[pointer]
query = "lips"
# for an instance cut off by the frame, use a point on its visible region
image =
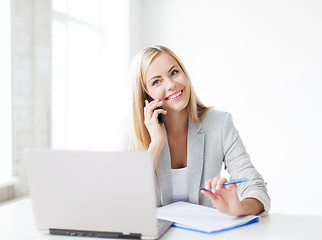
(175, 95)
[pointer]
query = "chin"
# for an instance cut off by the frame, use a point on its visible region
(179, 107)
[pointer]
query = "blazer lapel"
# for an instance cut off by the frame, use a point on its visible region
(163, 172)
(195, 159)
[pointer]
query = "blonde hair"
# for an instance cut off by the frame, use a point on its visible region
(139, 135)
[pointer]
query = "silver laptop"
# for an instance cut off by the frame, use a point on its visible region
(94, 194)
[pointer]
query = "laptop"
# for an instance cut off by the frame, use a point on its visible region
(94, 194)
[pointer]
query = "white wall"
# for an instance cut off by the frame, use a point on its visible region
(5, 93)
(261, 61)
(31, 81)
(90, 63)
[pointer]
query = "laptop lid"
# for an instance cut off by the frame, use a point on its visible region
(106, 192)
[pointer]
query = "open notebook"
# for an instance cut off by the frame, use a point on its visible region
(202, 219)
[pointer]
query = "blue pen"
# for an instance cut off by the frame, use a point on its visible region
(228, 183)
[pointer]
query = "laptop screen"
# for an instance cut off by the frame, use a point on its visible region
(93, 191)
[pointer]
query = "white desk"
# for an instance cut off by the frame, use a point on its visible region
(17, 223)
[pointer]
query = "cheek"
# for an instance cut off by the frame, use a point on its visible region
(183, 80)
(155, 94)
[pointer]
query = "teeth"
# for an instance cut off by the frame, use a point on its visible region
(174, 96)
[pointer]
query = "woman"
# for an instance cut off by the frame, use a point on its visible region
(194, 141)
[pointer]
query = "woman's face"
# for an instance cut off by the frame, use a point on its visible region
(166, 81)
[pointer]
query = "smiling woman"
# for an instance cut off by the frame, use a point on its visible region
(140, 138)
(194, 141)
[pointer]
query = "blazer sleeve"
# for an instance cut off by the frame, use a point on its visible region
(238, 164)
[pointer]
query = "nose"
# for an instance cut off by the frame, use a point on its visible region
(171, 85)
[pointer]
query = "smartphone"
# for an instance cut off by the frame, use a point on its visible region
(160, 116)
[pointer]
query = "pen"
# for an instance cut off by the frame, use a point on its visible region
(228, 183)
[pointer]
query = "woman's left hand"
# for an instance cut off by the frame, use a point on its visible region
(224, 198)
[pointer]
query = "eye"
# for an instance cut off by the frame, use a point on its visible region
(174, 72)
(155, 82)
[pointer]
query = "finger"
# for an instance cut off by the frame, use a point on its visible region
(211, 196)
(208, 184)
(156, 113)
(208, 194)
(146, 114)
(149, 110)
(155, 104)
(153, 101)
(214, 183)
(220, 182)
(146, 102)
(152, 106)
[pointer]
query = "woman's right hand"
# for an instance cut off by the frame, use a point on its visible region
(156, 130)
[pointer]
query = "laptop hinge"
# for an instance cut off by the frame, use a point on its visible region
(82, 233)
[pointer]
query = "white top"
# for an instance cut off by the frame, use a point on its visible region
(180, 185)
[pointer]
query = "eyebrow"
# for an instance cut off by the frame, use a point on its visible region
(160, 76)
(171, 68)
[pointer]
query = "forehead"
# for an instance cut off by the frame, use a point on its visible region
(160, 64)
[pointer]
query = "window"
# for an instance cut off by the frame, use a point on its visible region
(90, 64)
(5, 93)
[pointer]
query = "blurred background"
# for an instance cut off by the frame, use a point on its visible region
(64, 80)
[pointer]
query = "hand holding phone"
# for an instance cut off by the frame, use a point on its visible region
(160, 116)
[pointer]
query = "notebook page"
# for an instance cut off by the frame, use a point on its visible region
(199, 217)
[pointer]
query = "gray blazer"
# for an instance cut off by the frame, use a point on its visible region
(211, 143)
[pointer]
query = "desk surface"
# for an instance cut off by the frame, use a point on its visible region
(16, 222)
